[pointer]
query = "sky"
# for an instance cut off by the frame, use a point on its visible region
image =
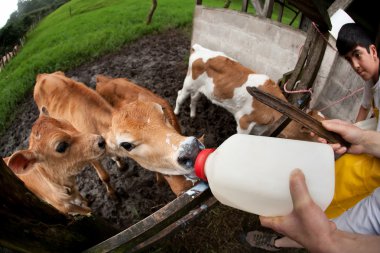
(7, 7)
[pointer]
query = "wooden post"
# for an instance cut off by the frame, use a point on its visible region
(338, 4)
(270, 9)
(310, 37)
(30, 225)
(244, 6)
(312, 65)
(280, 10)
(263, 10)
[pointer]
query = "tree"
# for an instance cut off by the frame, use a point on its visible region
(152, 9)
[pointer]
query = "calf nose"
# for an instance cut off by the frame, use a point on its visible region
(101, 143)
(188, 152)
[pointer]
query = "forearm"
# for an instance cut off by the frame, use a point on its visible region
(348, 242)
(371, 143)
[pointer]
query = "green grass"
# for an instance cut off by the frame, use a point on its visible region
(82, 30)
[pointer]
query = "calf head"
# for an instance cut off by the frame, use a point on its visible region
(119, 91)
(140, 131)
(56, 153)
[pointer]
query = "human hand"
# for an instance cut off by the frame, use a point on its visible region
(349, 132)
(306, 224)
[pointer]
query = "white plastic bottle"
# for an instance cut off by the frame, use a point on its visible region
(251, 173)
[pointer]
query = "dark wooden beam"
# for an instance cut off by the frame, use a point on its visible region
(31, 225)
(314, 10)
(157, 222)
(338, 4)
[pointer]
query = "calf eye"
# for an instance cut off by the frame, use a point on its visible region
(62, 146)
(127, 146)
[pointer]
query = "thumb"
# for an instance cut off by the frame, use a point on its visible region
(271, 222)
(298, 189)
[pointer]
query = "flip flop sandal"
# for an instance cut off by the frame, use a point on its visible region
(262, 240)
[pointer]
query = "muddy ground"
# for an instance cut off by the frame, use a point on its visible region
(159, 63)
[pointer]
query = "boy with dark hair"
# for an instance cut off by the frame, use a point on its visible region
(359, 50)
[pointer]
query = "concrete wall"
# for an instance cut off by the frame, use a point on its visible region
(260, 44)
(272, 48)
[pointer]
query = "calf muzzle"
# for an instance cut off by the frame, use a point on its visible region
(188, 152)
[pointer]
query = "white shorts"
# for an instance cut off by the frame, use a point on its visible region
(363, 218)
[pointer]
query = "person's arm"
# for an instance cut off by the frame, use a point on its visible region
(363, 141)
(308, 225)
(362, 114)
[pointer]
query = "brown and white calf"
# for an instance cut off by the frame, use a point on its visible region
(120, 91)
(224, 81)
(137, 130)
(57, 153)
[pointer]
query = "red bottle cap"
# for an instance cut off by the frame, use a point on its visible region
(200, 161)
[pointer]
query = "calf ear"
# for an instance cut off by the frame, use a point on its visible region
(21, 161)
(60, 73)
(143, 97)
(44, 111)
(102, 79)
(159, 108)
(202, 139)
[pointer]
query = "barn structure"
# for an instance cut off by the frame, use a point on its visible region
(303, 59)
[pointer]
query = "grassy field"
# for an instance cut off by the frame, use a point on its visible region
(84, 29)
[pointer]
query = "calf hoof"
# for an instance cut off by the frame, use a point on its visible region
(120, 163)
(113, 195)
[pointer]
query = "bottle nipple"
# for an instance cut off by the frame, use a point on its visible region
(200, 161)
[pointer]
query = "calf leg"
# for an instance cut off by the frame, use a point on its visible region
(75, 209)
(178, 184)
(181, 97)
(104, 176)
(119, 163)
(183, 94)
(193, 104)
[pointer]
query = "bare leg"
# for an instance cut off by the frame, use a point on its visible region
(286, 242)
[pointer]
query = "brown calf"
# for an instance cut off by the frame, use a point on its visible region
(57, 153)
(137, 130)
(120, 91)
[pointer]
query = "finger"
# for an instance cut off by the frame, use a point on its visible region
(322, 140)
(341, 151)
(336, 146)
(298, 189)
(335, 125)
(267, 221)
